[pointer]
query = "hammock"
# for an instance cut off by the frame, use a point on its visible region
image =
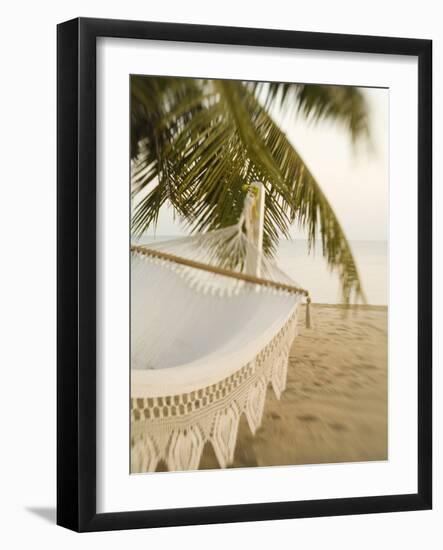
(212, 322)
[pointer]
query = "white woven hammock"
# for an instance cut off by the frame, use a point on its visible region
(212, 322)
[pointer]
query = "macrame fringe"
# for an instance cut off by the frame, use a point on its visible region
(175, 428)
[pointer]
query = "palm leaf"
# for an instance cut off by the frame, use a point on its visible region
(206, 139)
(345, 105)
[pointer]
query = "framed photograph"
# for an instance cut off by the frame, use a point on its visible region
(244, 274)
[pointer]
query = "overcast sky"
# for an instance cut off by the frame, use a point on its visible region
(354, 179)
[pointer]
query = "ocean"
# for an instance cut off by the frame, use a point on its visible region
(311, 271)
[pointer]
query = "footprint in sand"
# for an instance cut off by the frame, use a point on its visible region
(368, 366)
(338, 427)
(307, 418)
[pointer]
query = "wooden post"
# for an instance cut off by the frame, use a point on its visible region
(260, 219)
(255, 225)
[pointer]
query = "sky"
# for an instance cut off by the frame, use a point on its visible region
(355, 179)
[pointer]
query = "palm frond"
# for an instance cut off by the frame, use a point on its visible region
(345, 105)
(203, 140)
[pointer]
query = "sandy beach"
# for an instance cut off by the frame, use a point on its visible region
(334, 408)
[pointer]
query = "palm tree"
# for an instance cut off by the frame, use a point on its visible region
(196, 143)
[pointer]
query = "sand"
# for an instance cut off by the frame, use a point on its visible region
(334, 408)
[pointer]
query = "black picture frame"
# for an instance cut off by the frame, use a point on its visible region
(76, 274)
